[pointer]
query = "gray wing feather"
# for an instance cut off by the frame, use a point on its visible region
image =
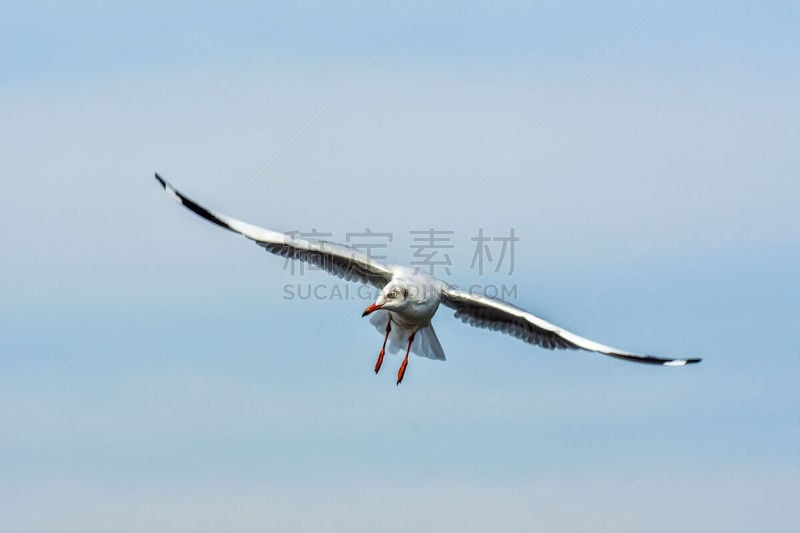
(484, 312)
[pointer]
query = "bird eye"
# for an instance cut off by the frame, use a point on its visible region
(392, 295)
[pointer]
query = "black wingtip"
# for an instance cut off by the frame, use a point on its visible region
(652, 359)
(193, 206)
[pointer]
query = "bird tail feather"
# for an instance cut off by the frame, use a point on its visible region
(425, 344)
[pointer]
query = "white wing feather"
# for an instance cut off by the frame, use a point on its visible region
(340, 260)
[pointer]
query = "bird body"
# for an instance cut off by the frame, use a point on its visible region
(408, 302)
(409, 298)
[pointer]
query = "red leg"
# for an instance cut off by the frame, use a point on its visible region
(402, 371)
(379, 362)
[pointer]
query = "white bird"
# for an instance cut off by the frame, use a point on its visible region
(408, 298)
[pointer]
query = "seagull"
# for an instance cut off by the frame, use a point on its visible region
(408, 298)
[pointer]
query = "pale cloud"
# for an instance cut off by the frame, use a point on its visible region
(737, 501)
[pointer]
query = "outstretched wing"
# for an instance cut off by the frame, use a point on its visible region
(340, 260)
(484, 312)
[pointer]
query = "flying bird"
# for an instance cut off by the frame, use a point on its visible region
(408, 298)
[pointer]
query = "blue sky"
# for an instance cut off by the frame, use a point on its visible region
(155, 377)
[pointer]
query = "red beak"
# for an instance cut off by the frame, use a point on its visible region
(370, 308)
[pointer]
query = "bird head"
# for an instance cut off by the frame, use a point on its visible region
(393, 297)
